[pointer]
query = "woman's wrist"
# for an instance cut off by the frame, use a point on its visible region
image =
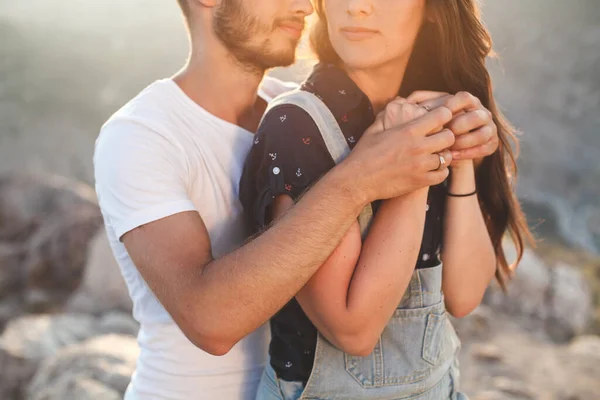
(462, 180)
(462, 165)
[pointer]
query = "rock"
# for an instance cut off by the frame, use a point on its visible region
(26, 201)
(77, 387)
(586, 346)
(527, 291)
(28, 340)
(475, 326)
(487, 352)
(11, 274)
(531, 366)
(558, 297)
(580, 362)
(38, 336)
(48, 221)
(56, 256)
(9, 309)
(103, 287)
(570, 308)
(105, 364)
(118, 323)
(490, 395)
(513, 388)
(16, 373)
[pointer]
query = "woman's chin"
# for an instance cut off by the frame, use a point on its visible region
(358, 61)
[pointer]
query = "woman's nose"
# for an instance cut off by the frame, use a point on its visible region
(357, 8)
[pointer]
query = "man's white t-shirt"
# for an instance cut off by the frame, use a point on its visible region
(163, 154)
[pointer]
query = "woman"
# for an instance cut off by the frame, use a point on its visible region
(371, 323)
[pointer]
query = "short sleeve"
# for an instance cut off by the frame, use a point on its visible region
(287, 157)
(140, 175)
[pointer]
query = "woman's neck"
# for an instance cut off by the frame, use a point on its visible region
(381, 84)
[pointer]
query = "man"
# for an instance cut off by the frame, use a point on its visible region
(167, 169)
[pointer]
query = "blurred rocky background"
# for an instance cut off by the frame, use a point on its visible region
(65, 325)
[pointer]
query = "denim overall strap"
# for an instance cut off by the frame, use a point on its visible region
(330, 131)
(424, 289)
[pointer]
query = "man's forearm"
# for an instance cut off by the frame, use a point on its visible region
(266, 273)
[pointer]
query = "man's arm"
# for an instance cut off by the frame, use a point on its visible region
(218, 302)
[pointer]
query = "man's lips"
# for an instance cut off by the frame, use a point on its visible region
(293, 28)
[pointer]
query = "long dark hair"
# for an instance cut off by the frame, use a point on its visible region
(450, 56)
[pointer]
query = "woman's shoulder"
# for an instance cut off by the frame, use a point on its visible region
(286, 120)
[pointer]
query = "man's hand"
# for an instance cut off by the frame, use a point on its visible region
(473, 124)
(391, 162)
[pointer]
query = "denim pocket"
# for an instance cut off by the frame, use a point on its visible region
(414, 342)
(433, 342)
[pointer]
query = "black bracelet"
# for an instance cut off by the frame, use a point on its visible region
(462, 195)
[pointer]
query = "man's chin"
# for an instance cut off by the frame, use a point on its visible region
(268, 58)
(279, 60)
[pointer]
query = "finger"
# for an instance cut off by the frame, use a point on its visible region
(436, 177)
(433, 161)
(398, 100)
(398, 113)
(463, 101)
(377, 125)
(423, 95)
(427, 123)
(476, 138)
(438, 142)
(380, 116)
(476, 152)
(435, 103)
(469, 121)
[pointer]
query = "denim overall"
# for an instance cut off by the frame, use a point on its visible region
(416, 355)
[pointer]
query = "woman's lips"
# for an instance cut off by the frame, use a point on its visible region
(356, 34)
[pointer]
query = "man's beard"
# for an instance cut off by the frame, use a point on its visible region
(237, 30)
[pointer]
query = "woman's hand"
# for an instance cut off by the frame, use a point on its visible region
(473, 124)
(468, 269)
(413, 147)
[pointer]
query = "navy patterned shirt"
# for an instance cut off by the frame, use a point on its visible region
(288, 156)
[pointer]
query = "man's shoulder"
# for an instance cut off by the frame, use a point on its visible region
(151, 104)
(147, 116)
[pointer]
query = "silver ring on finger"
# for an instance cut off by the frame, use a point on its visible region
(427, 108)
(442, 162)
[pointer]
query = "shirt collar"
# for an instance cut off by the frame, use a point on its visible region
(338, 91)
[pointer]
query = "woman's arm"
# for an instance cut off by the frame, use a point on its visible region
(354, 294)
(468, 253)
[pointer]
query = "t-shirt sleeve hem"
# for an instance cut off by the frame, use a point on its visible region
(152, 214)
